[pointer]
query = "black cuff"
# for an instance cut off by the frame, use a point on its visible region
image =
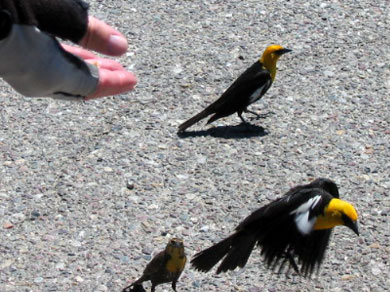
(67, 19)
(5, 24)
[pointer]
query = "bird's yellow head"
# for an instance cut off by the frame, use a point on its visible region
(338, 212)
(175, 247)
(270, 56)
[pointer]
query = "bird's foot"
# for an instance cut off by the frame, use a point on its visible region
(259, 116)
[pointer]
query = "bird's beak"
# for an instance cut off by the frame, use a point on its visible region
(353, 225)
(283, 51)
(177, 243)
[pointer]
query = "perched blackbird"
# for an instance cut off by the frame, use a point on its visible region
(293, 229)
(165, 267)
(248, 88)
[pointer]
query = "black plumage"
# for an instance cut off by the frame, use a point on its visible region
(279, 228)
(249, 87)
(237, 97)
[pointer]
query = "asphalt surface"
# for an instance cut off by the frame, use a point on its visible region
(89, 192)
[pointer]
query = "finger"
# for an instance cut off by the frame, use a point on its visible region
(105, 64)
(84, 54)
(92, 58)
(113, 82)
(102, 38)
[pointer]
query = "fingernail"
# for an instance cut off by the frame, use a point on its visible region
(117, 45)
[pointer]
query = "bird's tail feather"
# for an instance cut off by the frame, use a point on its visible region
(236, 247)
(194, 120)
(214, 118)
(239, 252)
(134, 288)
(208, 258)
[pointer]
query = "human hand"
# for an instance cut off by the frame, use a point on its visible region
(35, 64)
(113, 78)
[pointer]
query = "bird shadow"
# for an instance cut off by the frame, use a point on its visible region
(241, 131)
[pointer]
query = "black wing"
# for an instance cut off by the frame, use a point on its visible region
(291, 200)
(237, 95)
(277, 229)
(310, 250)
(279, 236)
(246, 89)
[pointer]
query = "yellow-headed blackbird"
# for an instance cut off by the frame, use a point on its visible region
(248, 88)
(294, 227)
(165, 267)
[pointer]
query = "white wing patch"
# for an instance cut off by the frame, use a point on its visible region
(257, 93)
(304, 225)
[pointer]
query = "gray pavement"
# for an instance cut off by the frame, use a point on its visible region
(89, 192)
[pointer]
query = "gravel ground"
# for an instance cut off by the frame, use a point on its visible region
(90, 192)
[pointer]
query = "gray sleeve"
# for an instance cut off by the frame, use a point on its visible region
(34, 64)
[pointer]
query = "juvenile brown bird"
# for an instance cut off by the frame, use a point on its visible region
(165, 267)
(249, 87)
(293, 229)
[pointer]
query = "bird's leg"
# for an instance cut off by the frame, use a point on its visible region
(292, 261)
(281, 265)
(241, 117)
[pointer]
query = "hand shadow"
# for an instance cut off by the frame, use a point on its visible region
(241, 131)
